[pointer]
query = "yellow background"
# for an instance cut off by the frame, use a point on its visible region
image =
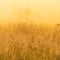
(45, 11)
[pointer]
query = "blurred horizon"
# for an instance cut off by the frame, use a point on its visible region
(33, 11)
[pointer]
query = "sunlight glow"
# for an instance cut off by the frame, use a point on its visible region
(49, 10)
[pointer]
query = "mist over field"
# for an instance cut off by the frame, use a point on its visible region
(36, 11)
(29, 30)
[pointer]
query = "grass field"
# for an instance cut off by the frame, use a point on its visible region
(29, 42)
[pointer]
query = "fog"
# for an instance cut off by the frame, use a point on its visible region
(49, 10)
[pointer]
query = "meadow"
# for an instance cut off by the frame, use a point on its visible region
(25, 41)
(29, 30)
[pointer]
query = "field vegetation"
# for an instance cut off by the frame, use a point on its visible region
(29, 42)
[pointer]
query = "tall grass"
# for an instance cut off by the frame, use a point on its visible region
(29, 42)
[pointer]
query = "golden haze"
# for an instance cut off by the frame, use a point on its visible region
(45, 11)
